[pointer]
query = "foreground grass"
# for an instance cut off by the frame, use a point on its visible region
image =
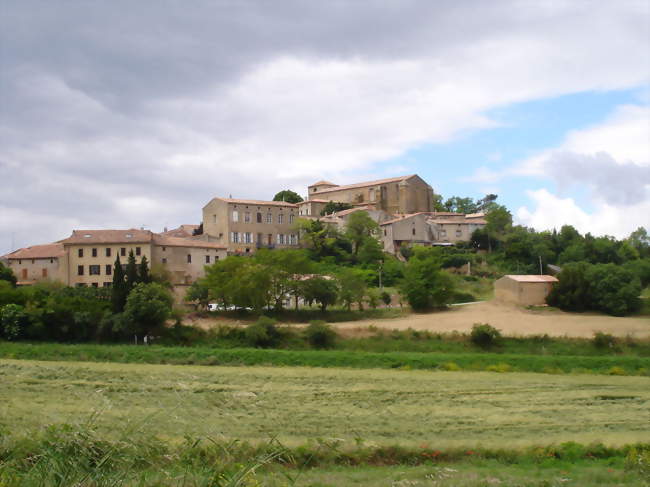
(294, 404)
(77, 455)
(476, 361)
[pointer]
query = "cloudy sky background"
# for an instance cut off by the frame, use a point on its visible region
(122, 114)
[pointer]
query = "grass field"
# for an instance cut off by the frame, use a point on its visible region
(295, 404)
(476, 361)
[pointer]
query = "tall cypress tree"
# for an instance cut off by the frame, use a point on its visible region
(131, 273)
(118, 289)
(143, 271)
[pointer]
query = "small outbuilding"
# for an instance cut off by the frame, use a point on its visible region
(525, 290)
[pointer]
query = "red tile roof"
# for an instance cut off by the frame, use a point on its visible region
(47, 251)
(108, 236)
(367, 183)
(322, 183)
(255, 202)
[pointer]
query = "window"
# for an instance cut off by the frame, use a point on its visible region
(80, 252)
(413, 231)
(234, 237)
(93, 270)
(294, 239)
(94, 252)
(20, 261)
(459, 232)
(109, 270)
(248, 237)
(385, 232)
(269, 218)
(247, 217)
(164, 260)
(280, 218)
(291, 216)
(214, 218)
(108, 284)
(24, 273)
(80, 270)
(44, 273)
(259, 217)
(235, 216)
(138, 251)
(207, 259)
(281, 238)
(51, 261)
(95, 284)
(189, 258)
(443, 233)
(259, 238)
(108, 251)
(123, 251)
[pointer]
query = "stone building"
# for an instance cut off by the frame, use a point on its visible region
(405, 194)
(525, 290)
(38, 263)
(246, 225)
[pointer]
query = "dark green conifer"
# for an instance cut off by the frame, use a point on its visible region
(118, 289)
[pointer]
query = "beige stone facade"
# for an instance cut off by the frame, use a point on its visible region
(429, 228)
(246, 225)
(39, 263)
(524, 290)
(401, 195)
(87, 257)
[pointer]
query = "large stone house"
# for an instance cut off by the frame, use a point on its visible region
(86, 258)
(245, 225)
(404, 194)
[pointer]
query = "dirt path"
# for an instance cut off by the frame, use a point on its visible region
(512, 320)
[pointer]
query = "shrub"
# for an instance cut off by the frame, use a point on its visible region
(320, 335)
(13, 321)
(484, 335)
(604, 340)
(385, 297)
(263, 333)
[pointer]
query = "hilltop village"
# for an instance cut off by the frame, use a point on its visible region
(402, 207)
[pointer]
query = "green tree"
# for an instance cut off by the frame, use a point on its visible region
(320, 335)
(147, 308)
(13, 321)
(352, 287)
(359, 228)
(425, 285)
(288, 196)
(499, 221)
(613, 289)
(334, 207)
(640, 240)
(131, 275)
(321, 290)
(6, 274)
(143, 271)
(460, 205)
(571, 293)
(119, 291)
(198, 293)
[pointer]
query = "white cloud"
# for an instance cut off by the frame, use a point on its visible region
(112, 123)
(551, 211)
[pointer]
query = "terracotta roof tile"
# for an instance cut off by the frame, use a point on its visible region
(365, 184)
(257, 202)
(108, 236)
(47, 251)
(321, 183)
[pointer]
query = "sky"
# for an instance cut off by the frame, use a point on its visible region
(130, 114)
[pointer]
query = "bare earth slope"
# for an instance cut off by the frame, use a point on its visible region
(513, 320)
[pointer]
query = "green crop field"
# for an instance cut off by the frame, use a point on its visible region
(296, 404)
